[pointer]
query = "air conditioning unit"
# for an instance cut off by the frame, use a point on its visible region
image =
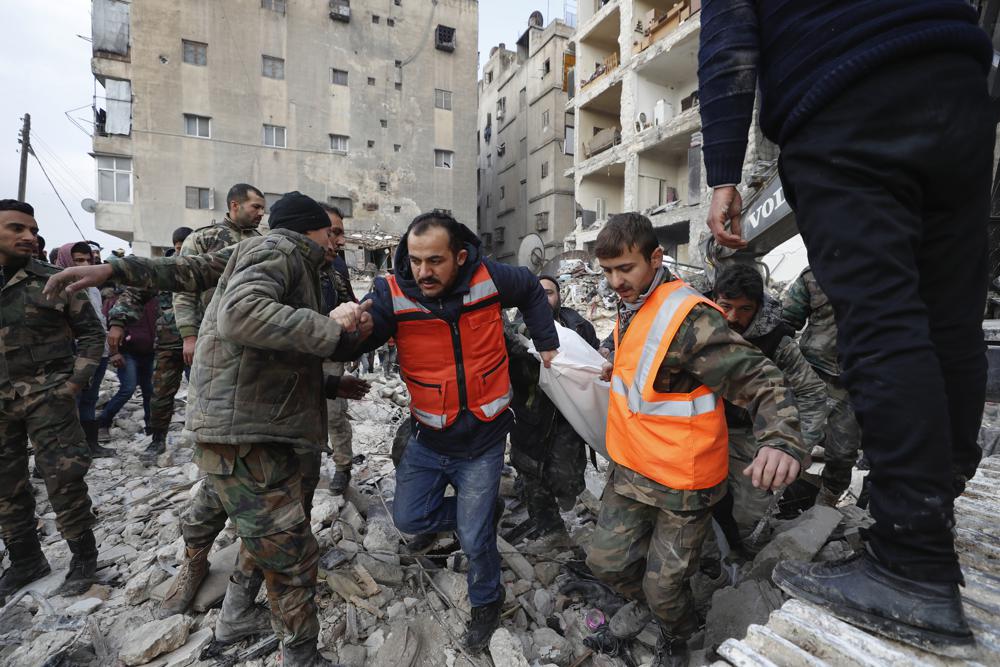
(662, 112)
(601, 207)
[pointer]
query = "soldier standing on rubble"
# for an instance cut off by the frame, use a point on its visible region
(666, 435)
(40, 378)
(546, 451)
(890, 184)
(805, 305)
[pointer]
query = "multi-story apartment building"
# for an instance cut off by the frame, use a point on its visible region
(638, 122)
(525, 145)
(366, 104)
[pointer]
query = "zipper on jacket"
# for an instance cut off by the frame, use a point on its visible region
(495, 368)
(410, 378)
(456, 344)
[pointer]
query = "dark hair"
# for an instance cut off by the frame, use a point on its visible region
(40, 241)
(740, 281)
(425, 221)
(82, 247)
(625, 231)
(551, 279)
(329, 208)
(241, 192)
(15, 205)
(180, 234)
(53, 255)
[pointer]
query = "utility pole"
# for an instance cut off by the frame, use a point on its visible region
(22, 182)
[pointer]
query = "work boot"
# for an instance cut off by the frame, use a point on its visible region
(862, 591)
(92, 432)
(305, 654)
(82, 567)
(670, 651)
(186, 582)
(630, 620)
(103, 434)
(827, 498)
(157, 446)
(27, 564)
(485, 619)
(340, 481)
(240, 616)
(421, 543)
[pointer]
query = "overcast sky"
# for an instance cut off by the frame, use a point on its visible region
(47, 74)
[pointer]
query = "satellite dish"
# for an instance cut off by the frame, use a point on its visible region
(89, 205)
(532, 252)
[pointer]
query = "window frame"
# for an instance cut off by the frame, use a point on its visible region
(443, 99)
(209, 198)
(188, 117)
(334, 72)
(274, 136)
(444, 159)
(274, 61)
(115, 171)
(196, 48)
(346, 142)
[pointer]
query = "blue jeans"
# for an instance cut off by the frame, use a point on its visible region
(137, 372)
(420, 507)
(86, 402)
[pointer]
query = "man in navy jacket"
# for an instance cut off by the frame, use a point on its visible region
(442, 304)
(882, 116)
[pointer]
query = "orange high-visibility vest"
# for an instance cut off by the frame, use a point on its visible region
(679, 440)
(447, 366)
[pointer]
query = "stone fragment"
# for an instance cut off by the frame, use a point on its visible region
(506, 649)
(84, 606)
(552, 647)
(400, 648)
(542, 601)
(189, 653)
(382, 572)
(41, 650)
(139, 587)
(381, 536)
(734, 609)
(546, 572)
(801, 542)
(455, 586)
(514, 560)
(155, 638)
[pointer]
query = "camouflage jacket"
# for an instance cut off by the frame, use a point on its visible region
(128, 309)
(189, 307)
(804, 303)
(45, 343)
(706, 351)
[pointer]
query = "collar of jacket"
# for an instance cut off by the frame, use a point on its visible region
(314, 252)
(768, 318)
(661, 276)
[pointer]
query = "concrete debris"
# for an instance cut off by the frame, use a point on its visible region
(154, 639)
(506, 650)
(734, 609)
(801, 541)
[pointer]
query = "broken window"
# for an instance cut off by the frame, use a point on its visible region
(114, 179)
(197, 126)
(384, 122)
(396, 148)
(200, 198)
(397, 208)
(376, 18)
(390, 22)
(273, 68)
(442, 99)
(274, 135)
(195, 53)
(338, 143)
(345, 204)
(273, 5)
(444, 38)
(443, 159)
(371, 81)
(371, 143)
(338, 77)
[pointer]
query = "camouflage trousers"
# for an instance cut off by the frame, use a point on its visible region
(843, 436)
(749, 502)
(263, 497)
(555, 481)
(50, 420)
(650, 554)
(167, 372)
(339, 425)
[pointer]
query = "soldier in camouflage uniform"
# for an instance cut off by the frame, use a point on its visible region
(649, 536)
(169, 359)
(40, 377)
(805, 304)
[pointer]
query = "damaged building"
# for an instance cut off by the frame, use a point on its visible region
(366, 105)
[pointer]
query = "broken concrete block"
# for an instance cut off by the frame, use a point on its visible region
(542, 601)
(455, 586)
(382, 572)
(39, 651)
(801, 542)
(187, 654)
(399, 649)
(514, 560)
(153, 639)
(546, 572)
(139, 587)
(734, 609)
(834, 551)
(381, 536)
(552, 647)
(506, 650)
(84, 606)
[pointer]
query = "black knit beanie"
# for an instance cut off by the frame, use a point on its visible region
(297, 212)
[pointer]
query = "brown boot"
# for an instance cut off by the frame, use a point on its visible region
(186, 582)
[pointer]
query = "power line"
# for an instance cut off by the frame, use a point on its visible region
(62, 163)
(59, 196)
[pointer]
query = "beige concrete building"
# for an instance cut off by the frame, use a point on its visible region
(367, 104)
(525, 144)
(638, 122)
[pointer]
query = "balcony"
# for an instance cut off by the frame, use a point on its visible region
(604, 21)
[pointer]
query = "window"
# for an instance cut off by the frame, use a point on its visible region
(197, 126)
(443, 159)
(371, 143)
(371, 81)
(489, 159)
(489, 77)
(391, 23)
(546, 67)
(442, 99)
(195, 53)
(114, 179)
(274, 135)
(195, 197)
(383, 186)
(503, 192)
(338, 143)
(399, 85)
(545, 119)
(397, 208)
(376, 18)
(444, 38)
(384, 122)
(345, 204)
(489, 202)
(569, 140)
(545, 170)
(396, 148)
(501, 108)
(273, 68)
(398, 3)
(501, 148)
(338, 77)
(273, 5)
(522, 98)
(498, 235)
(542, 221)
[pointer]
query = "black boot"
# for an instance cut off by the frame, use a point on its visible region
(863, 592)
(157, 446)
(90, 430)
(339, 482)
(485, 620)
(27, 564)
(240, 616)
(305, 654)
(670, 651)
(82, 567)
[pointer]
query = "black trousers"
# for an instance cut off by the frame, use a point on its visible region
(890, 184)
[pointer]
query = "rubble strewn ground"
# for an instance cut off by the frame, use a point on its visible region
(379, 604)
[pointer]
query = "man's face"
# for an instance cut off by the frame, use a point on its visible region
(177, 247)
(630, 273)
(17, 236)
(338, 239)
(435, 267)
(551, 293)
(82, 258)
(739, 311)
(248, 213)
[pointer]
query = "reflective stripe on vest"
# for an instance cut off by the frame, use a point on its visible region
(697, 406)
